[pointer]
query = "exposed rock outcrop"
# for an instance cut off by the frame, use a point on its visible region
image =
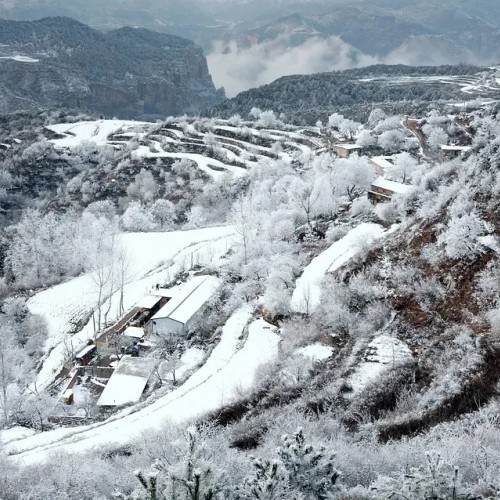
(127, 72)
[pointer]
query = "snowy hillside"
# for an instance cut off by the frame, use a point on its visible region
(227, 294)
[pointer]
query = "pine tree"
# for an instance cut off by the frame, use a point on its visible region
(301, 472)
(435, 481)
(310, 471)
(267, 482)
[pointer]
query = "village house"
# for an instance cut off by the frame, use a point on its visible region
(381, 164)
(383, 189)
(344, 150)
(147, 307)
(179, 313)
(449, 152)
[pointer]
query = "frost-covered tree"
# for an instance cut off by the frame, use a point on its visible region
(435, 136)
(267, 482)
(255, 113)
(366, 139)
(348, 128)
(235, 121)
(391, 140)
(310, 471)
(163, 213)
(137, 218)
(376, 116)
(460, 238)
(301, 471)
(144, 187)
(267, 119)
(436, 480)
(335, 120)
(350, 175)
(403, 168)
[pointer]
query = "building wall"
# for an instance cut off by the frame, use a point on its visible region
(342, 152)
(167, 325)
(377, 168)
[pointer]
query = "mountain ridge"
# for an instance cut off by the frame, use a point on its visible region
(127, 72)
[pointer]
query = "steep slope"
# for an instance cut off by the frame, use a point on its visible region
(61, 62)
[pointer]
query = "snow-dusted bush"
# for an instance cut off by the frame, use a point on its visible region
(460, 238)
(144, 187)
(137, 218)
(391, 140)
(366, 139)
(361, 206)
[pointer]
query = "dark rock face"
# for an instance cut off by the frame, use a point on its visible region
(126, 73)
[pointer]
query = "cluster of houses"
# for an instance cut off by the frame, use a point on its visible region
(128, 371)
(383, 189)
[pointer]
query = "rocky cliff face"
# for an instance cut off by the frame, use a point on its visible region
(126, 73)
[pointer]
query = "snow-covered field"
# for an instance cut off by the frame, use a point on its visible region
(96, 131)
(228, 374)
(203, 162)
(154, 257)
(307, 293)
(315, 352)
(382, 354)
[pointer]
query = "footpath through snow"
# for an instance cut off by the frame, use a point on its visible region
(307, 293)
(227, 374)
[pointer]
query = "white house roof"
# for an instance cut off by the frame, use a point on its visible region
(395, 187)
(85, 351)
(134, 331)
(127, 383)
(148, 302)
(347, 146)
(382, 161)
(446, 147)
(190, 299)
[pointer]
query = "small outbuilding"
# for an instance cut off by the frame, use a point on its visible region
(84, 357)
(381, 164)
(186, 306)
(134, 332)
(128, 382)
(384, 189)
(344, 150)
(449, 152)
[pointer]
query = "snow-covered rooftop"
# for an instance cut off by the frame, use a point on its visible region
(134, 331)
(395, 187)
(148, 302)
(347, 146)
(85, 351)
(382, 161)
(127, 383)
(448, 147)
(190, 299)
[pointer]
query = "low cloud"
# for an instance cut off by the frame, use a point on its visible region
(240, 69)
